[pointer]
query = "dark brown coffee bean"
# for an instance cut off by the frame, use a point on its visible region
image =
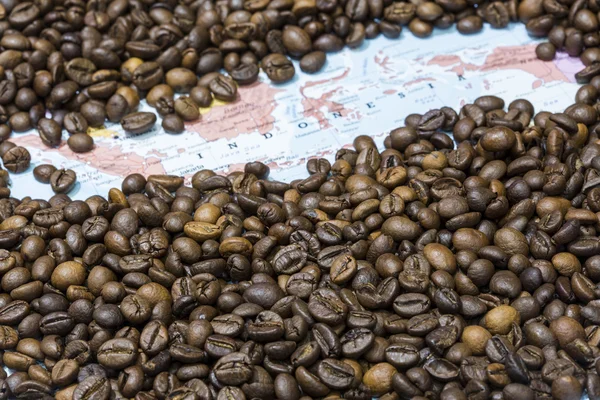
(80, 143)
(223, 88)
(147, 75)
(117, 353)
(93, 387)
(16, 159)
(296, 41)
(116, 108)
(94, 112)
(186, 108)
(74, 122)
(545, 51)
(201, 95)
(138, 122)
(50, 132)
(182, 80)
(313, 62)
(278, 68)
(245, 73)
(62, 181)
(469, 25)
(173, 124)
(20, 122)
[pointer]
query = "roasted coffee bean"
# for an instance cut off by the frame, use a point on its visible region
(50, 132)
(62, 181)
(245, 73)
(116, 108)
(182, 80)
(545, 51)
(138, 122)
(74, 122)
(186, 109)
(223, 88)
(16, 159)
(80, 143)
(117, 353)
(93, 387)
(278, 68)
(312, 62)
(147, 75)
(94, 112)
(201, 95)
(172, 123)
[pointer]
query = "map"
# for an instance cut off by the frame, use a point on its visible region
(369, 90)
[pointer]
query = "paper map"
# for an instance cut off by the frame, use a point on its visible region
(369, 90)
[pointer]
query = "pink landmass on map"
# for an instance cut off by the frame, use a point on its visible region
(418, 80)
(312, 107)
(157, 153)
(105, 158)
(275, 165)
(324, 81)
(569, 65)
(445, 60)
(383, 61)
(510, 58)
(458, 66)
(251, 112)
(523, 57)
(233, 168)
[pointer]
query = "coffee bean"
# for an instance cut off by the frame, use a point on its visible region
(147, 75)
(545, 51)
(201, 95)
(94, 112)
(92, 387)
(313, 62)
(74, 122)
(50, 132)
(278, 68)
(186, 108)
(173, 124)
(62, 181)
(43, 172)
(139, 122)
(329, 43)
(469, 25)
(245, 73)
(117, 353)
(223, 88)
(16, 159)
(296, 41)
(378, 379)
(65, 372)
(80, 70)
(182, 80)
(116, 108)
(420, 28)
(80, 143)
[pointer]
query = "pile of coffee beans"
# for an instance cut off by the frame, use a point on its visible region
(73, 64)
(428, 270)
(570, 26)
